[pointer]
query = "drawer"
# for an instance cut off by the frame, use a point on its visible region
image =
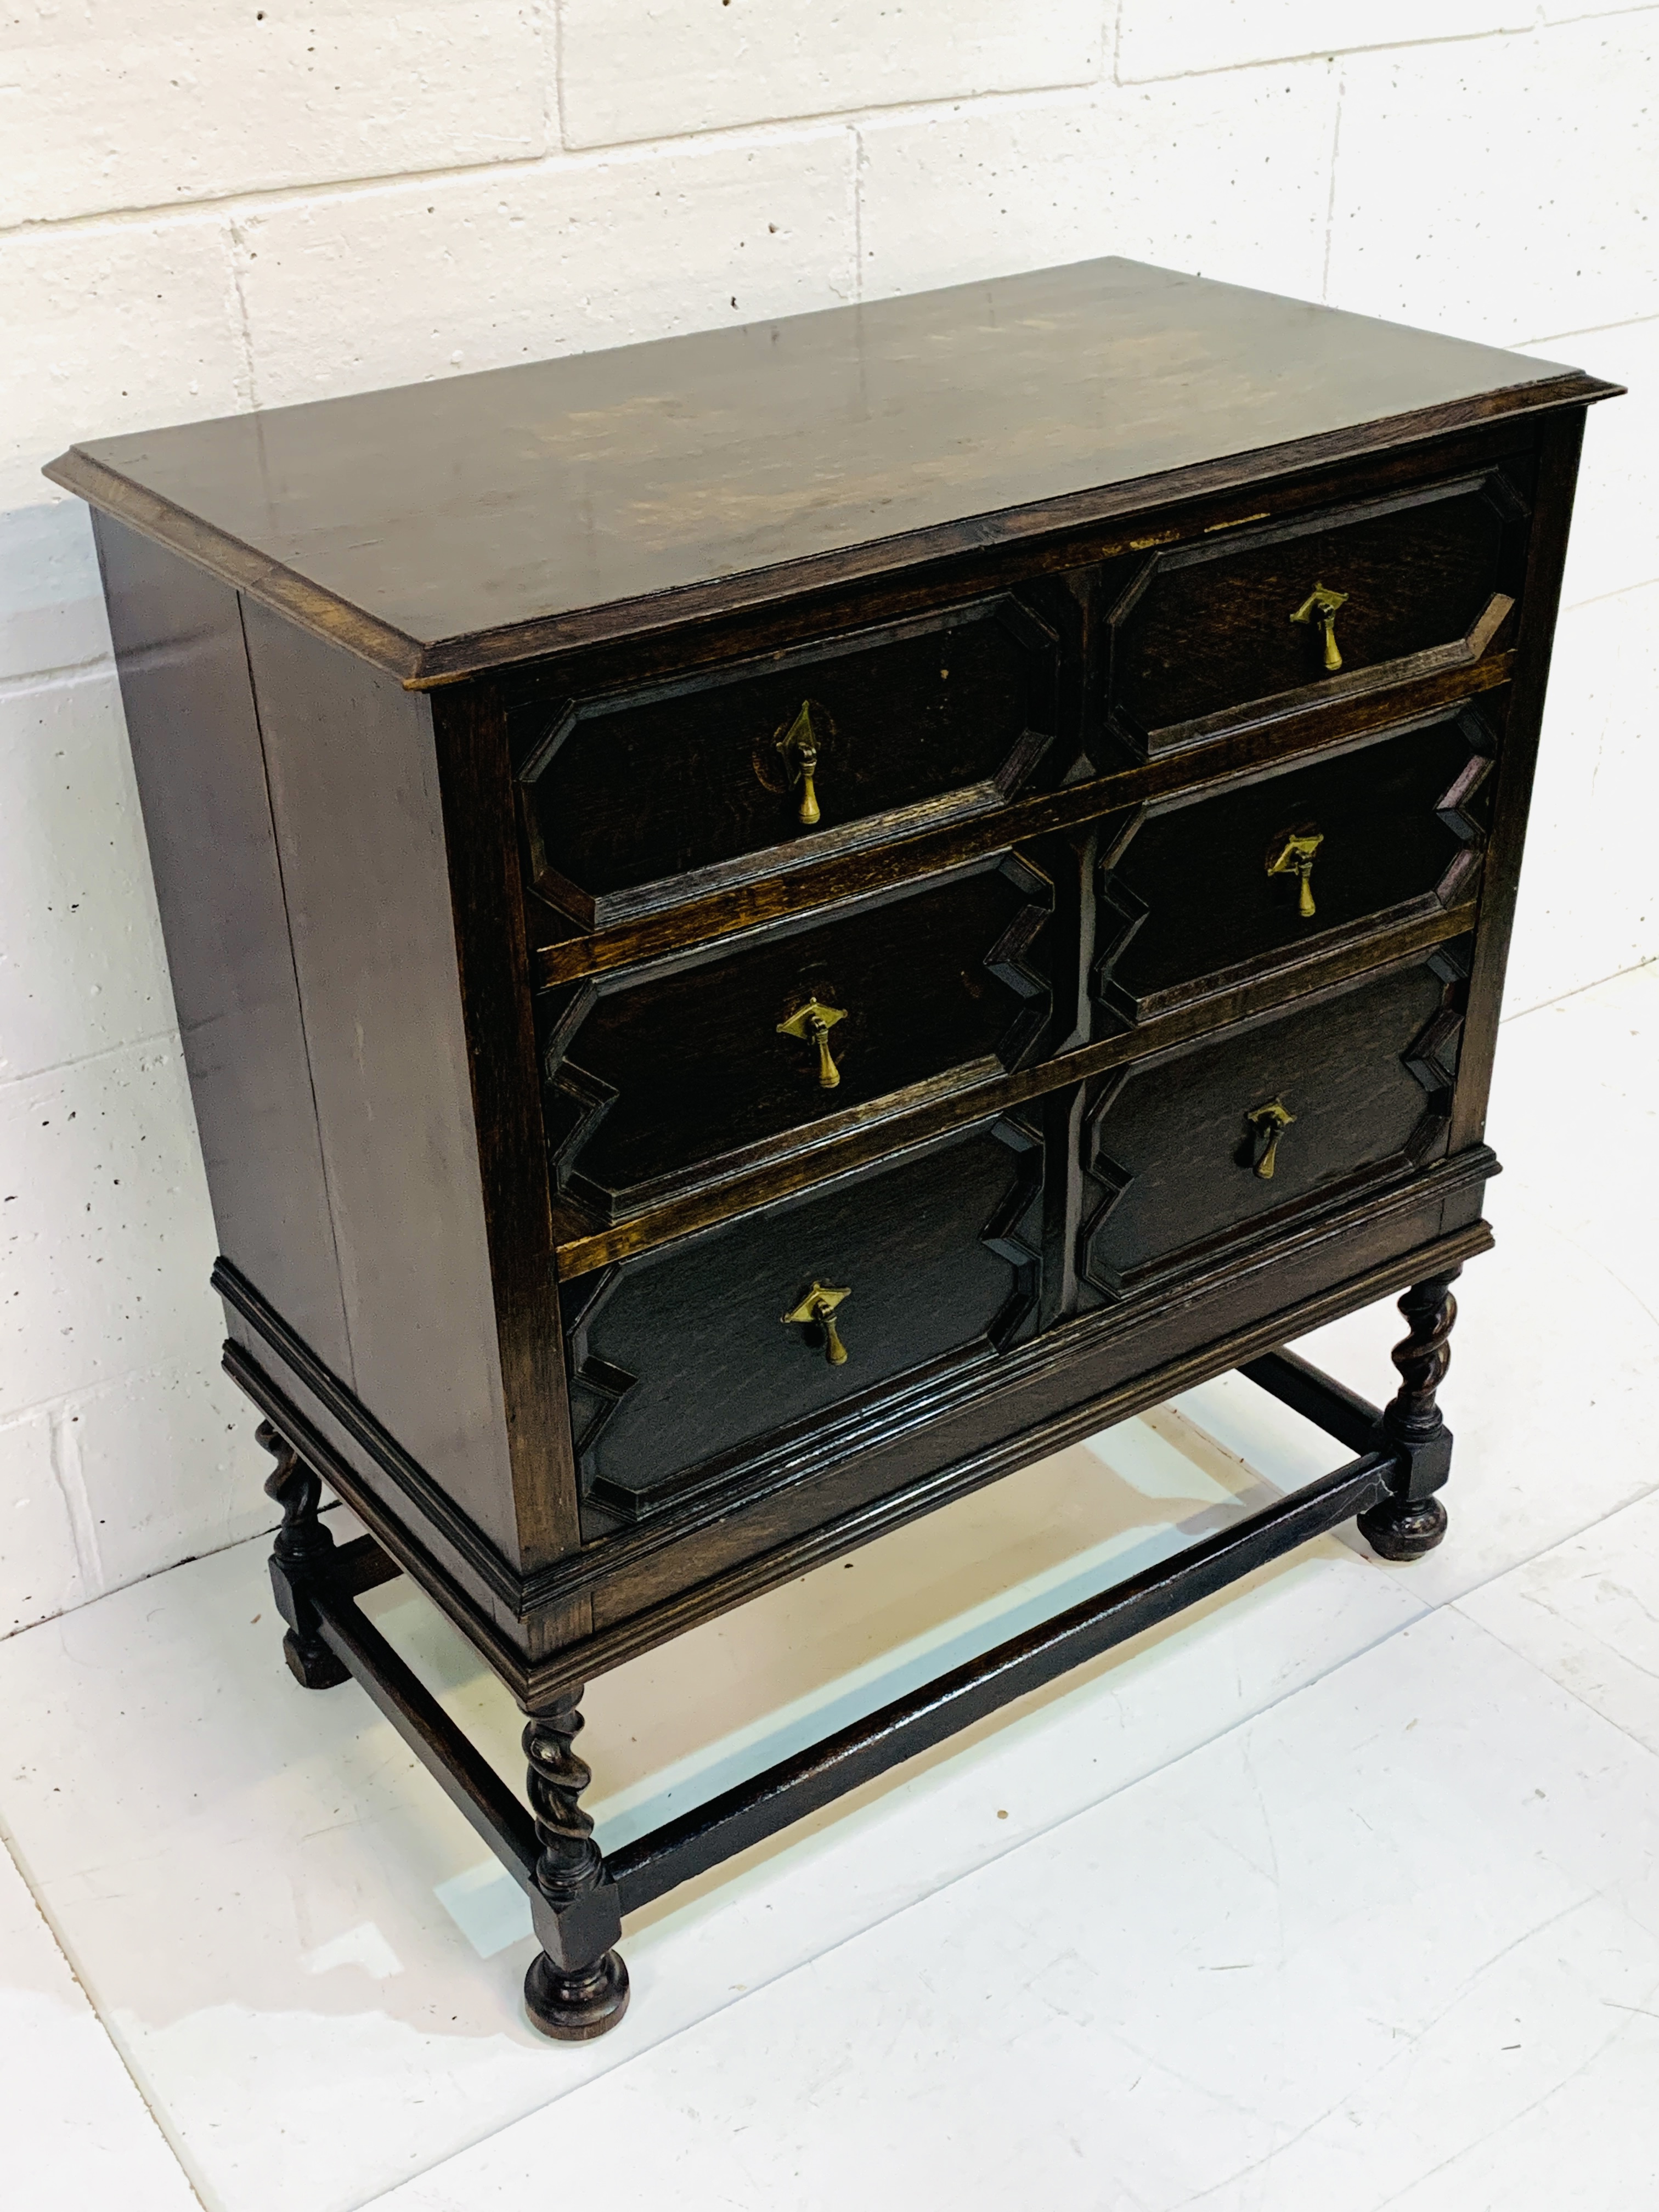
(1188, 1152)
(1209, 636)
(640, 798)
(699, 1359)
(1201, 894)
(661, 1079)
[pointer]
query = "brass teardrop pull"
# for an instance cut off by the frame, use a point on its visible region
(1291, 854)
(817, 1308)
(1321, 606)
(816, 1020)
(1270, 1121)
(799, 745)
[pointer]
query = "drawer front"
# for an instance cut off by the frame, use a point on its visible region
(641, 797)
(1188, 1152)
(1201, 894)
(683, 1367)
(654, 1083)
(1206, 634)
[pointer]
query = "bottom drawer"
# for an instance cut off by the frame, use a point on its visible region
(690, 1361)
(1189, 1149)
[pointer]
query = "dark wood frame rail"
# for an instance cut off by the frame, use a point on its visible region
(577, 1895)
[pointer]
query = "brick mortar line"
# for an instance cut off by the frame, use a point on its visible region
(766, 132)
(63, 677)
(550, 13)
(1340, 95)
(1589, 331)
(169, 1037)
(1536, 28)
(1576, 990)
(775, 129)
(63, 1402)
(1601, 598)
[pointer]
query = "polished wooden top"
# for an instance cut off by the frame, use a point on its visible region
(452, 525)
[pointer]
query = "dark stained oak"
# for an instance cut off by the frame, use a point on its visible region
(1187, 892)
(656, 1080)
(1211, 629)
(919, 721)
(734, 914)
(683, 1361)
(464, 523)
(771, 927)
(188, 692)
(584, 1242)
(1176, 1164)
(1411, 1521)
(300, 1558)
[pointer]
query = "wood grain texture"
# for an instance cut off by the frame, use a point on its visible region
(1085, 1366)
(201, 774)
(671, 1074)
(1175, 1163)
(911, 854)
(948, 714)
(1059, 573)
(802, 927)
(684, 1366)
(1187, 895)
(361, 834)
(471, 521)
(1208, 628)
(1559, 443)
(584, 1243)
(489, 957)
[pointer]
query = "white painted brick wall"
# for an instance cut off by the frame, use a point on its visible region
(1502, 187)
(122, 103)
(1226, 175)
(657, 69)
(410, 280)
(1155, 39)
(203, 212)
(136, 319)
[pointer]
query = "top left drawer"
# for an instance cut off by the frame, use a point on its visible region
(642, 797)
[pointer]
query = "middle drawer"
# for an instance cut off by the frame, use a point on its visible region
(663, 1080)
(1216, 886)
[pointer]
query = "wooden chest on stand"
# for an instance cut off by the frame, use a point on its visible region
(772, 926)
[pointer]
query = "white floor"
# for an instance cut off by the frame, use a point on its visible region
(1342, 1893)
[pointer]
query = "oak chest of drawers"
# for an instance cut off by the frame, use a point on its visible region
(769, 927)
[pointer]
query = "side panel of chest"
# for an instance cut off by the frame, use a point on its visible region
(354, 782)
(201, 775)
(298, 831)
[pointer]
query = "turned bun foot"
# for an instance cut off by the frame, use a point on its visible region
(575, 2007)
(1403, 1528)
(313, 1666)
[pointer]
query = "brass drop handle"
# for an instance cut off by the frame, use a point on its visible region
(818, 1307)
(1321, 606)
(799, 745)
(816, 1020)
(1271, 1122)
(1292, 854)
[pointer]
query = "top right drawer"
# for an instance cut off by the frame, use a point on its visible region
(1330, 604)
